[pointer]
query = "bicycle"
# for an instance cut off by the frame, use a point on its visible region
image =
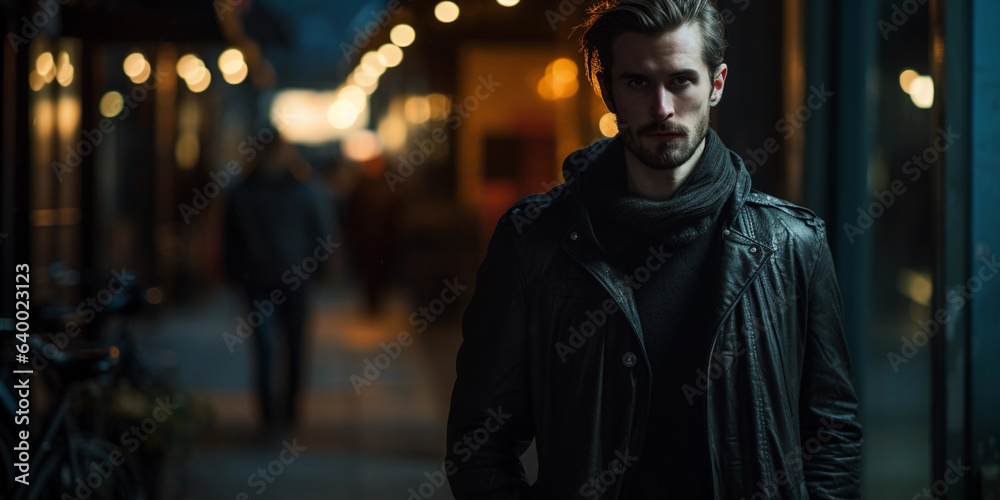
(65, 463)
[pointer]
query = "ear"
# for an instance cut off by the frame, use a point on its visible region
(605, 86)
(718, 84)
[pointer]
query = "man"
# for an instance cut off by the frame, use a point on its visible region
(272, 222)
(660, 329)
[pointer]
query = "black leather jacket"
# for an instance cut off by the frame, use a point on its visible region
(782, 413)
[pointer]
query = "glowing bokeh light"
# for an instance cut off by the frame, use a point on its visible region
(402, 35)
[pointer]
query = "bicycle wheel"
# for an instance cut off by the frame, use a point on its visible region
(98, 475)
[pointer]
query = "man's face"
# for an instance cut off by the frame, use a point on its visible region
(661, 90)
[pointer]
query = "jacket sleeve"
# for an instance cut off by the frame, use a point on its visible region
(828, 411)
(489, 426)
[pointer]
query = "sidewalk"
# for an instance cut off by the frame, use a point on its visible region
(370, 447)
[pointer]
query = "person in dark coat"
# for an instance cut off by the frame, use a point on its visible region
(276, 237)
(660, 329)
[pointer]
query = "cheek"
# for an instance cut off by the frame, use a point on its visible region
(692, 102)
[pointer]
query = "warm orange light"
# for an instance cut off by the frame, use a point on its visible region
(417, 109)
(390, 55)
(230, 61)
(237, 76)
(361, 145)
(402, 35)
(440, 104)
(560, 80)
(111, 104)
(922, 92)
(608, 125)
(392, 132)
(342, 114)
(906, 78)
(134, 64)
(446, 12)
(187, 65)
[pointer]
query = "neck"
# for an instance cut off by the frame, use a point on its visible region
(658, 185)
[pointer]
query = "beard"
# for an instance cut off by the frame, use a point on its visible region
(667, 155)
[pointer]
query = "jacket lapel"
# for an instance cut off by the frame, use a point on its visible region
(610, 278)
(741, 258)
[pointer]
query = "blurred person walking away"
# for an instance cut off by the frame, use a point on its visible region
(371, 226)
(275, 222)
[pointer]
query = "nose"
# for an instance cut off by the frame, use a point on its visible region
(663, 106)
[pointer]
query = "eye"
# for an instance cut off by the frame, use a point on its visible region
(637, 83)
(682, 80)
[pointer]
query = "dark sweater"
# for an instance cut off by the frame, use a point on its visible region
(674, 462)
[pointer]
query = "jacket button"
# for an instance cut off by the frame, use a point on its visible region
(725, 232)
(629, 359)
(753, 249)
(573, 236)
(617, 467)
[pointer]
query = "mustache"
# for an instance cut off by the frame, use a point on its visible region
(657, 127)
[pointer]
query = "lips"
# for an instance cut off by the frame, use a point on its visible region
(664, 136)
(662, 131)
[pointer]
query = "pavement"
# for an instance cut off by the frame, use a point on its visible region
(380, 440)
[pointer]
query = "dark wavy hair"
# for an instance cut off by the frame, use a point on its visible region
(610, 18)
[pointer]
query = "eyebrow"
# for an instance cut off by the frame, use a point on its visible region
(684, 72)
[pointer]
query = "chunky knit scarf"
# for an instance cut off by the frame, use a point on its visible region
(676, 221)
